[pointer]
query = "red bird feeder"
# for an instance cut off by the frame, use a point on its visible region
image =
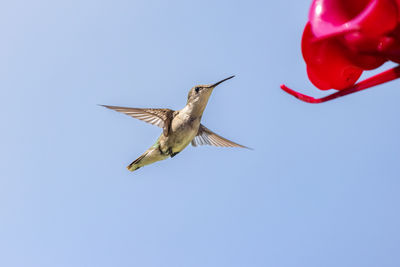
(343, 38)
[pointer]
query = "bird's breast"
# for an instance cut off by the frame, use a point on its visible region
(183, 129)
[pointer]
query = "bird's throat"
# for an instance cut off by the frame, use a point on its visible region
(194, 109)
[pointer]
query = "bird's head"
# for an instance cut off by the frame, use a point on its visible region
(200, 94)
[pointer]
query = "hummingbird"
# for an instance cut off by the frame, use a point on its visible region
(180, 128)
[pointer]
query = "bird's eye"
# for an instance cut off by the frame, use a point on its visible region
(197, 89)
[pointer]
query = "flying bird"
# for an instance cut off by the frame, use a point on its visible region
(180, 128)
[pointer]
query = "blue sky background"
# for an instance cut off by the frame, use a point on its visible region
(321, 187)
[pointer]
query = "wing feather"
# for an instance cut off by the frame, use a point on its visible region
(207, 137)
(155, 116)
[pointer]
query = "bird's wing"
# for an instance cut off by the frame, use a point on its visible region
(207, 137)
(157, 116)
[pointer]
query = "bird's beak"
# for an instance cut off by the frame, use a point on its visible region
(215, 84)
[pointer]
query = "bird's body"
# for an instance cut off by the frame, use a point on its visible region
(184, 128)
(180, 128)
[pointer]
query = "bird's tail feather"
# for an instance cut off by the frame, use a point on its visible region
(134, 165)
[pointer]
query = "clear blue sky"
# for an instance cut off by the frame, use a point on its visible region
(321, 187)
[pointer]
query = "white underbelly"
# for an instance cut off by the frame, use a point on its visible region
(182, 141)
(182, 132)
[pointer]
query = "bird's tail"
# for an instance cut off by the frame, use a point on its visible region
(135, 164)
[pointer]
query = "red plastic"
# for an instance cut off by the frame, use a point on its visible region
(343, 38)
(380, 78)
